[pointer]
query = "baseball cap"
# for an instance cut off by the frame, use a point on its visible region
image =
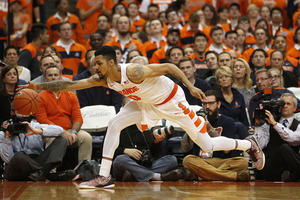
(173, 29)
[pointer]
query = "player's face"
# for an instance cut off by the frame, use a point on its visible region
(52, 74)
(239, 70)
(11, 77)
(66, 31)
(217, 36)
(46, 62)
(200, 44)
(231, 40)
(280, 44)
(11, 57)
(101, 66)
(263, 81)
(188, 69)
(276, 60)
(225, 60)
(289, 108)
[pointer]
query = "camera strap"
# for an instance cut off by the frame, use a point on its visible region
(134, 145)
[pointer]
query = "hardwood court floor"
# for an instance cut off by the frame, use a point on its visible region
(152, 190)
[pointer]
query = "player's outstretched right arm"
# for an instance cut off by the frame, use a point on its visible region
(64, 86)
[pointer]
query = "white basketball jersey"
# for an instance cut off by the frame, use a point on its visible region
(151, 90)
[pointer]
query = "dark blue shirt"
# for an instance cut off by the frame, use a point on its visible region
(235, 109)
(199, 83)
(97, 95)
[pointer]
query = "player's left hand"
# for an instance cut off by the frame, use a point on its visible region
(196, 92)
(29, 86)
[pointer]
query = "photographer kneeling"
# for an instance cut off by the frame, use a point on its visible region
(280, 142)
(22, 149)
(133, 158)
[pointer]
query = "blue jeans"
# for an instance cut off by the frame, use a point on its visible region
(140, 173)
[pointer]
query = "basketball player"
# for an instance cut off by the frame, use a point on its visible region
(154, 97)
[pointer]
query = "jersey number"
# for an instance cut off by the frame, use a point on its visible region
(136, 98)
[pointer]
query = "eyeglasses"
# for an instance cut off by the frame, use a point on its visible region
(276, 14)
(275, 77)
(208, 103)
(261, 79)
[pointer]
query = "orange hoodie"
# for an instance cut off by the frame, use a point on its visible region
(290, 35)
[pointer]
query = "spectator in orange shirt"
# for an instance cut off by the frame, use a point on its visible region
(173, 19)
(20, 23)
(190, 29)
(153, 11)
(173, 37)
(157, 40)
(89, 10)
(261, 37)
(253, 12)
(183, 8)
(295, 51)
(120, 9)
(217, 36)
(161, 6)
(234, 14)
(231, 41)
(123, 39)
(276, 28)
(210, 15)
(265, 13)
(264, 24)
(223, 14)
(140, 36)
(63, 14)
(103, 22)
(244, 23)
(135, 18)
(290, 35)
(70, 51)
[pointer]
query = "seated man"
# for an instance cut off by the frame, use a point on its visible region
(62, 108)
(127, 165)
(26, 157)
(280, 142)
(223, 165)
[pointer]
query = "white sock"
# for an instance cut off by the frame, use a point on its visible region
(156, 177)
(105, 167)
(243, 145)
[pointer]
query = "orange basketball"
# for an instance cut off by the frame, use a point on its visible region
(27, 101)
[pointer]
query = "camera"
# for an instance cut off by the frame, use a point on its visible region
(146, 158)
(16, 127)
(168, 130)
(202, 112)
(269, 104)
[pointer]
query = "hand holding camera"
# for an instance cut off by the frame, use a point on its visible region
(133, 153)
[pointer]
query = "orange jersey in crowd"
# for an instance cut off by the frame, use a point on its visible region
(138, 22)
(198, 4)
(151, 46)
(21, 42)
(187, 36)
(159, 56)
(248, 52)
(55, 20)
(72, 58)
(290, 36)
(290, 64)
(90, 23)
(212, 48)
(138, 44)
(62, 111)
(4, 9)
(243, 4)
(294, 52)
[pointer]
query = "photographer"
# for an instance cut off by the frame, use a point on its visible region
(280, 142)
(221, 165)
(25, 155)
(127, 165)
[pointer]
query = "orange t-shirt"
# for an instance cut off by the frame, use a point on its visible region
(4, 9)
(90, 23)
(18, 27)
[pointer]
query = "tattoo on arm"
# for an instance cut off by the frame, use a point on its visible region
(55, 85)
(138, 72)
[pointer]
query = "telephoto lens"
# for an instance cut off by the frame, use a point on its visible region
(168, 130)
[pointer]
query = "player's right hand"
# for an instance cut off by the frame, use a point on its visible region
(29, 86)
(198, 93)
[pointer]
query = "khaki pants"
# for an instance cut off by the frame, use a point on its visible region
(84, 145)
(215, 169)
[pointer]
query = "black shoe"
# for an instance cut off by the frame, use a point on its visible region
(190, 176)
(126, 176)
(67, 175)
(37, 176)
(286, 176)
(173, 175)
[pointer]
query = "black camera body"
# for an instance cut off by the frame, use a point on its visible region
(16, 127)
(146, 158)
(269, 104)
(202, 112)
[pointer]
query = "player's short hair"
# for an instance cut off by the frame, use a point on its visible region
(107, 52)
(37, 29)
